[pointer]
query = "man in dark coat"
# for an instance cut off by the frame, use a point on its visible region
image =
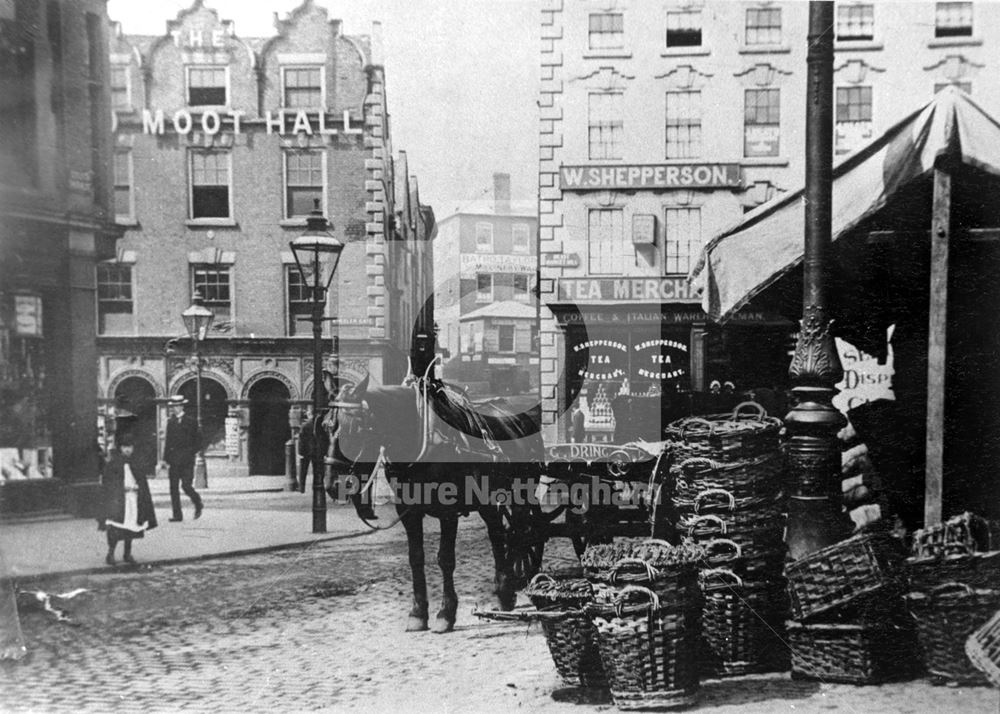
(128, 505)
(179, 450)
(312, 428)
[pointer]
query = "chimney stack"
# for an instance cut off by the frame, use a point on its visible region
(501, 193)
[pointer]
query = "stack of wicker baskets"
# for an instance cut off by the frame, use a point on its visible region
(728, 493)
(849, 623)
(954, 588)
(646, 613)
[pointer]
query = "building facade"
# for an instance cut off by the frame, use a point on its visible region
(661, 123)
(485, 264)
(223, 146)
(56, 222)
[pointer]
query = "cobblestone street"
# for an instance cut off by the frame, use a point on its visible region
(322, 628)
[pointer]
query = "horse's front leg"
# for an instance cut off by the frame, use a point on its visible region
(413, 523)
(445, 621)
(503, 577)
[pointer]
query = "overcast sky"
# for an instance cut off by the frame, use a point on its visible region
(461, 80)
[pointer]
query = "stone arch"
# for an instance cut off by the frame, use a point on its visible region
(232, 392)
(119, 377)
(293, 392)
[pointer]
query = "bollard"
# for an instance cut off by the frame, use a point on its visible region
(291, 466)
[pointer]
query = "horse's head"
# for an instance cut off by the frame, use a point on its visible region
(352, 426)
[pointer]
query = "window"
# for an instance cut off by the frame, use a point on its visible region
(683, 125)
(114, 299)
(299, 300)
(684, 28)
(210, 184)
(18, 110)
(853, 117)
(762, 122)
(207, 86)
(303, 87)
(763, 26)
(120, 98)
(606, 241)
(607, 31)
(520, 238)
(964, 86)
(484, 287)
(505, 338)
(123, 184)
(604, 121)
(303, 182)
(521, 281)
(484, 237)
(855, 22)
(213, 284)
(953, 19)
(682, 243)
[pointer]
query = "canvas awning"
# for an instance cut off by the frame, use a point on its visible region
(740, 262)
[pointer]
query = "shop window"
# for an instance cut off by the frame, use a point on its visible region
(303, 182)
(520, 238)
(505, 338)
(484, 287)
(124, 209)
(521, 281)
(207, 87)
(605, 241)
(683, 125)
(682, 239)
(484, 237)
(607, 31)
(213, 282)
(964, 86)
(115, 309)
(121, 99)
(853, 117)
(684, 28)
(856, 23)
(605, 124)
(210, 184)
(763, 26)
(303, 87)
(762, 122)
(953, 19)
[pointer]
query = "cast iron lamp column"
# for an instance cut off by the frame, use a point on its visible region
(197, 320)
(814, 516)
(308, 250)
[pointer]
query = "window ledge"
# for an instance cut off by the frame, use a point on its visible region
(607, 54)
(210, 223)
(126, 221)
(857, 46)
(292, 223)
(764, 49)
(955, 42)
(685, 51)
(764, 161)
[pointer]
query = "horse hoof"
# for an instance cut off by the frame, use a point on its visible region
(441, 626)
(416, 624)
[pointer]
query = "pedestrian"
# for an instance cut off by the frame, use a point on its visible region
(179, 450)
(312, 430)
(128, 505)
(578, 419)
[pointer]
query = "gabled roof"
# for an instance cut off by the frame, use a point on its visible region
(506, 309)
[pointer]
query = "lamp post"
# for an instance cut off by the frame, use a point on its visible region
(197, 320)
(308, 250)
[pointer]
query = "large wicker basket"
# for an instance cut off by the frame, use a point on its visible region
(945, 617)
(861, 569)
(970, 532)
(856, 653)
(754, 478)
(746, 433)
(756, 565)
(754, 536)
(983, 649)
(669, 570)
(647, 649)
(954, 563)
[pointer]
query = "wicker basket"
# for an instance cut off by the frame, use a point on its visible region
(719, 501)
(647, 650)
(762, 535)
(945, 617)
(569, 631)
(746, 433)
(954, 563)
(852, 572)
(766, 565)
(965, 530)
(983, 649)
(852, 652)
(746, 479)
(669, 570)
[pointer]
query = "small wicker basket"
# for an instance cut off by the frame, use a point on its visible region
(983, 649)
(967, 530)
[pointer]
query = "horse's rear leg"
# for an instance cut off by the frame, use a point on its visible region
(413, 522)
(445, 621)
(503, 577)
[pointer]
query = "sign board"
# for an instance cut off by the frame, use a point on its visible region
(865, 380)
(28, 315)
(473, 263)
(683, 315)
(643, 229)
(233, 437)
(649, 176)
(560, 260)
(592, 290)
(595, 452)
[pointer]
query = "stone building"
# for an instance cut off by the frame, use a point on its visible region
(56, 222)
(662, 123)
(223, 145)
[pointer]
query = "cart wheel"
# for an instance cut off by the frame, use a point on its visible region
(524, 540)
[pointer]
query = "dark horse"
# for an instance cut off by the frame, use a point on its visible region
(431, 441)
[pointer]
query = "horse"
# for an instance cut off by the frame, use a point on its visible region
(431, 440)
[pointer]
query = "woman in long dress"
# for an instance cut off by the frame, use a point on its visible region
(128, 505)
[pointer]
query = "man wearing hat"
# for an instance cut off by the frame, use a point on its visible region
(179, 450)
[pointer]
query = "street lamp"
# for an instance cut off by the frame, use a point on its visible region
(308, 250)
(197, 320)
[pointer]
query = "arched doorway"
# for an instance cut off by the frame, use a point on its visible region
(269, 430)
(138, 396)
(214, 408)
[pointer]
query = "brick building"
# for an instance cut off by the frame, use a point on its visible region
(485, 263)
(222, 146)
(55, 224)
(662, 123)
